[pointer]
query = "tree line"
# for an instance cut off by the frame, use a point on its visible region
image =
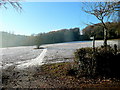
(60, 36)
(12, 40)
(97, 30)
(64, 35)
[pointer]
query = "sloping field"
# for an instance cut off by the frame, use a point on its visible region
(17, 55)
(27, 55)
(63, 52)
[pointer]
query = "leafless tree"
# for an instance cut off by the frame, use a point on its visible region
(103, 11)
(14, 4)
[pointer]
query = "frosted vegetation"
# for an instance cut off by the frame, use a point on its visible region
(62, 52)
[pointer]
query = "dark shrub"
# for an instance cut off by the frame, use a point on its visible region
(85, 61)
(103, 62)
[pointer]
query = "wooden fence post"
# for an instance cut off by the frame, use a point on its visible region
(93, 46)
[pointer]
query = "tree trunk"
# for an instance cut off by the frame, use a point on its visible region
(105, 37)
(38, 47)
(93, 44)
(105, 33)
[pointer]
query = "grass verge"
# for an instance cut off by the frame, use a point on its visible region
(55, 75)
(60, 73)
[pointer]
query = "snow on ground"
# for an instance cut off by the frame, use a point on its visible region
(28, 56)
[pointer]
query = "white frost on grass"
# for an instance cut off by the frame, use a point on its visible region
(23, 57)
(18, 55)
(33, 62)
(62, 52)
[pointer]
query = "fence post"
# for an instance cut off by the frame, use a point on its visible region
(93, 43)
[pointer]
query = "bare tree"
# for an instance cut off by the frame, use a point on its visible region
(14, 4)
(103, 11)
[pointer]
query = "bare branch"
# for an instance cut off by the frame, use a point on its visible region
(15, 5)
(102, 10)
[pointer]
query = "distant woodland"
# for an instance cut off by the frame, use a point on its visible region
(12, 40)
(97, 31)
(64, 35)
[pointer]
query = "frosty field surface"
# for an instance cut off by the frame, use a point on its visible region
(52, 53)
(63, 52)
(16, 55)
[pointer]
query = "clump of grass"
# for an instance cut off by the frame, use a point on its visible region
(58, 69)
(39, 48)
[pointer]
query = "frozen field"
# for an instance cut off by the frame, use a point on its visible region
(65, 51)
(27, 55)
(17, 55)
